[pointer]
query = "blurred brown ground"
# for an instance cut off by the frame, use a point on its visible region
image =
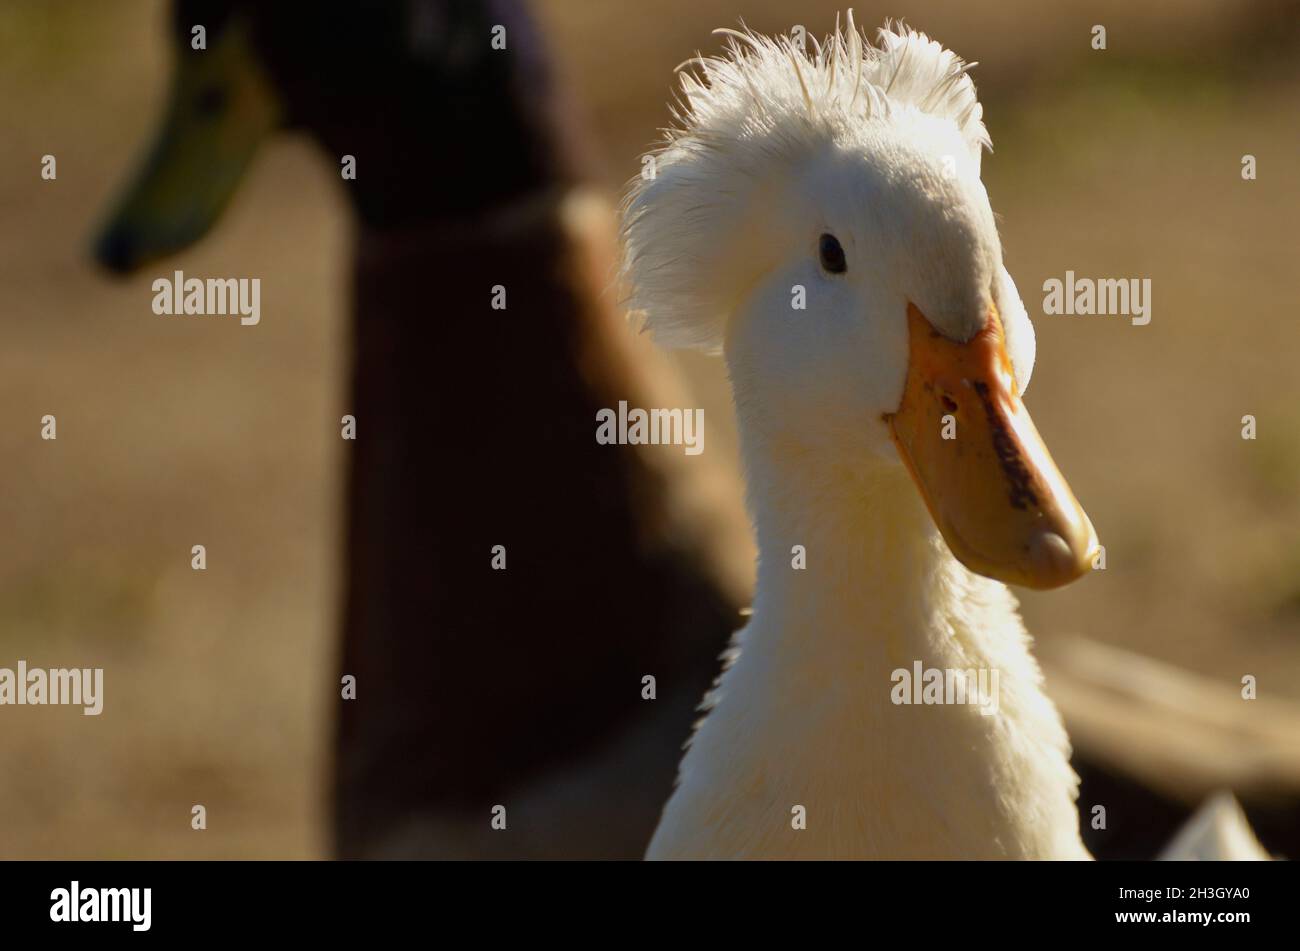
(1123, 163)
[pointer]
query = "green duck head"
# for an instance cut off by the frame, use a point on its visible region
(441, 121)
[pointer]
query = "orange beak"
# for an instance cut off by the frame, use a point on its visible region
(989, 482)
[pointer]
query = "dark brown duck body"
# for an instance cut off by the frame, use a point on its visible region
(475, 428)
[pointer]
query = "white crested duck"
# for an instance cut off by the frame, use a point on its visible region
(895, 480)
(884, 440)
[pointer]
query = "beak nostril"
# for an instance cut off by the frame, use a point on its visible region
(949, 403)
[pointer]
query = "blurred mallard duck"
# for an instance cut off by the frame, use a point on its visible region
(466, 179)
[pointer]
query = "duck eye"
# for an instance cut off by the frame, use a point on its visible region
(832, 254)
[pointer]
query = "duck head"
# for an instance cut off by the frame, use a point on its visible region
(441, 124)
(819, 217)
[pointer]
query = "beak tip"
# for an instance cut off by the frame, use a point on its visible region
(1053, 562)
(1050, 555)
(115, 253)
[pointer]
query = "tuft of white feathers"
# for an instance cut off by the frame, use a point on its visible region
(762, 101)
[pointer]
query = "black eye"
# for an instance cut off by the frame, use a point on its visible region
(211, 100)
(832, 254)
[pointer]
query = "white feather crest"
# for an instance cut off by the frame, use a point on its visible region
(764, 98)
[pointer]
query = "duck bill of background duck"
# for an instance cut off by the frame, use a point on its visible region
(221, 107)
(988, 480)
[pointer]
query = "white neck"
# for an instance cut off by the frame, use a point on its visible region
(805, 715)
